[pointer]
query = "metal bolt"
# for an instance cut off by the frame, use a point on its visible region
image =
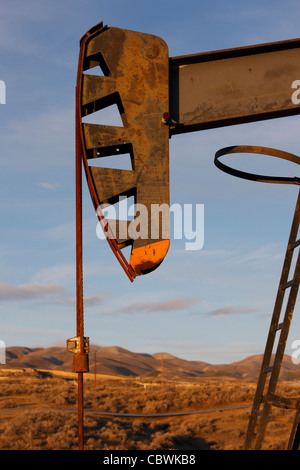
(166, 118)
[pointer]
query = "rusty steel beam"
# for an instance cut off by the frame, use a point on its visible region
(233, 86)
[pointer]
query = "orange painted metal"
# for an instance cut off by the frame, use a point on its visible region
(149, 256)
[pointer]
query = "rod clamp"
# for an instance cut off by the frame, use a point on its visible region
(81, 359)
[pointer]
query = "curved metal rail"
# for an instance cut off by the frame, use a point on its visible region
(258, 150)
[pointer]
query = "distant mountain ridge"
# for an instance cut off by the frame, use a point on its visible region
(114, 360)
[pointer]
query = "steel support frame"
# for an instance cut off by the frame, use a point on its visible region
(233, 86)
(207, 90)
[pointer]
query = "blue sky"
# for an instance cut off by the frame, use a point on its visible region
(211, 305)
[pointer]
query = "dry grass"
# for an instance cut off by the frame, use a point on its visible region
(53, 429)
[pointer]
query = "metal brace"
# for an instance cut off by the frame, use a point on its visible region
(81, 360)
(74, 345)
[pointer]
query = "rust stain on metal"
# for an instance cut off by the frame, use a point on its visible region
(233, 86)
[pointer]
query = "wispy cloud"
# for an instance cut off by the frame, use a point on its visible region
(64, 273)
(90, 301)
(63, 233)
(15, 19)
(18, 20)
(96, 299)
(51, 186)
(262, 255)
(230, 310)
(61, 273)
(30, 291)
(181, 303)
(51, 130)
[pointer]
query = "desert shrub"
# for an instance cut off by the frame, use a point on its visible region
(10, 403)
(161, 441)
(39, 430)
(58, 430)
(11, 387)
(65, 397)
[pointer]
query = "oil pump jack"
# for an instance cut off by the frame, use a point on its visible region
(157, 97)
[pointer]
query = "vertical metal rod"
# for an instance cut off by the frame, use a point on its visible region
(294, 440)
(80, 411)
(95, 374)
(79, 281)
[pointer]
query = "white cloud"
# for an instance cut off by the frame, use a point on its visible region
(52, 186)
(30, 291)
(48, 138)
(93, 300)
(90, 301)
(61, 273)
(181, 303)
(15, 21)
(60, 233)
(231, 309)
(260, 256)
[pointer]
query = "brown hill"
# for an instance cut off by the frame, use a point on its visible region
(118, 361)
